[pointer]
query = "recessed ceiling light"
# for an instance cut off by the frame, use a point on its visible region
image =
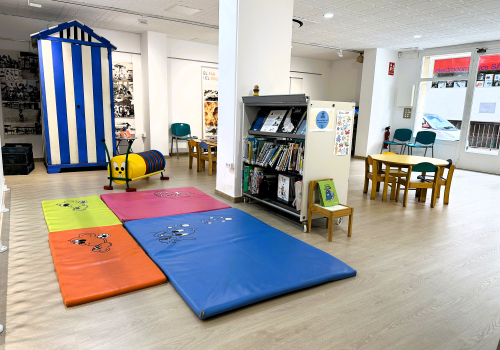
(328, 15)
(183, 10)
(417, 36)
(143, 21)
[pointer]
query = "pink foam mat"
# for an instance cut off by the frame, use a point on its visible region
(129, 206)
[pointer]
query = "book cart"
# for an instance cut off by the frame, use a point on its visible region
(319, 160)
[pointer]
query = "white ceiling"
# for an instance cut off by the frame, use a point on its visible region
(357, 24)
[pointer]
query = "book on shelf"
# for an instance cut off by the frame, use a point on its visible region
(298, 195)
(274, 120)
(327, 193)
(302, 128)
(246, 177)
(292, 120)
(125, 134)
(261, 117)
(281, 157)
(257, 174)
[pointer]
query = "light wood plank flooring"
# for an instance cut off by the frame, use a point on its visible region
(427, 278)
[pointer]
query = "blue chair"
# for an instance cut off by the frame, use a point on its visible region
(424, 139)
(402, 136)
(180, 131)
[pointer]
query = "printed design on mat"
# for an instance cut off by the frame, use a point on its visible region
(214, 219)
(170, 194)
(99, 243)
(75, 205)
(173, 234)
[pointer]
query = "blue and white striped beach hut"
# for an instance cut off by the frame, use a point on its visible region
(77, 95)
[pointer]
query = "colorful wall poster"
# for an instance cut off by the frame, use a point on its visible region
(210, 91)
(20, 92)
(343, 133)
(322, 119)
(123, 94)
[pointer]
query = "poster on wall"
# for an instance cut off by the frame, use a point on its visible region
(210, 90)
(123, 94)
(322, 119)
(20, 91)
(343, 132)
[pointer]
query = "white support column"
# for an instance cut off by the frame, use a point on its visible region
(254, 49)
(377, 100)
(154, 67)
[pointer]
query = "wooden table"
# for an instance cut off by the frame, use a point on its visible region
(404, 161)
(210, 144)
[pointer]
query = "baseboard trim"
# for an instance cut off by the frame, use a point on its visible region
(228, 197)
(358, 157)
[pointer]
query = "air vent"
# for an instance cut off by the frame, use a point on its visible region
(183, 10)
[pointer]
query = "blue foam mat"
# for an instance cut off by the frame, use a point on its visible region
(224, 259)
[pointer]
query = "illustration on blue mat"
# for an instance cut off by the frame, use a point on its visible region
(167, 194)
(175, 233)
(213, 219)
(99, 243)
(76, 205)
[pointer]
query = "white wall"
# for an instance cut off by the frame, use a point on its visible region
(345, 80)
(249, 54)
(377, 100)
(317, 85)
(185, 104)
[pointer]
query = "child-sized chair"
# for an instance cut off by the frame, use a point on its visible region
(376, 176)
(331, 213)
(207, 154)
(424, 139)
(400, 138)
(193, 154)
(417, 183)
(180, 131)
(446, 182)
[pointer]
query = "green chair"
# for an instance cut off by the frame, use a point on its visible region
(424, 139)
(180, 131)
(400, 138)
(419, 183)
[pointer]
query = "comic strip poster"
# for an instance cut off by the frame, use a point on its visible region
(20, 91)
(343, 133)
(123, 95)
(210, 90)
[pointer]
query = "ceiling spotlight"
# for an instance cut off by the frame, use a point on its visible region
(143, 21)
(340, 53)
(328, 15)
(417, 36)
(360, 58)
(34, 5)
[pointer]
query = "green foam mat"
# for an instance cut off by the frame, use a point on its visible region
(75, 213)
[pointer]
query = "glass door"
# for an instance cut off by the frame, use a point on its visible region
(480, 134)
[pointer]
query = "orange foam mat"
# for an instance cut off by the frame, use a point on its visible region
(100, 262)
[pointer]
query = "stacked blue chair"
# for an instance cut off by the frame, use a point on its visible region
(180, 131)
(424, 139)
(400, 138)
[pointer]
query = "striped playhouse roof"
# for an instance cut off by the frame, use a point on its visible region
(73, 32)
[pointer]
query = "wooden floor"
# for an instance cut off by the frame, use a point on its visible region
(427, 278)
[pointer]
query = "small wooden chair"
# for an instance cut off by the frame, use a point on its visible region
(419, 184)
(331, 213)
(446, 182)
(193, 153)
(377, 178)
(206, 154)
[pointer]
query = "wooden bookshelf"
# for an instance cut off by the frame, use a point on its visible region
(319, 159)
